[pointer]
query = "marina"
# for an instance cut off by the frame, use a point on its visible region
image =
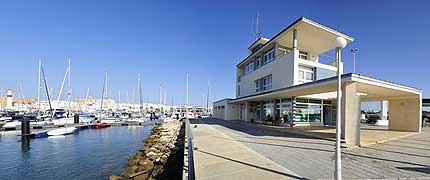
(89, 154)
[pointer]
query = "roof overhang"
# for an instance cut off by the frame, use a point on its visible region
(370, 89)
(311, 35)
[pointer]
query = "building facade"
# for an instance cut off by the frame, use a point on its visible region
(291, 79)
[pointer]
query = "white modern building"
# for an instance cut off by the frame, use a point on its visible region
(291, 77)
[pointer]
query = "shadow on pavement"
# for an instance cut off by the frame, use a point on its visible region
(252, 165)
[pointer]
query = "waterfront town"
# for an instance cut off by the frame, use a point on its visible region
(311, 93)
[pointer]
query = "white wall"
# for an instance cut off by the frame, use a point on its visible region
(281, 70)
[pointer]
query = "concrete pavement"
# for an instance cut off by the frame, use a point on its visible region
(312, 158)
(217, 156)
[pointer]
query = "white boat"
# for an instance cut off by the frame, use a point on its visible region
(61, 131)
(11, 125)
(168, 119)
(63, 121)
(138, 120)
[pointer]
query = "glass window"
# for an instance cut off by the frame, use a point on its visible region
(301, 74)
(267, 82)
(309, 76)
(257, 62)
(249, 68)
(306, 74)
(303, 55)
(257, 85)
(269, 56)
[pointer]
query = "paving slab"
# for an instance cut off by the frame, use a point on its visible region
(313, 158)
(218, 156)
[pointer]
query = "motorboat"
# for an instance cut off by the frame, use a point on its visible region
(11, 125)
(101, 125)
(62, 131)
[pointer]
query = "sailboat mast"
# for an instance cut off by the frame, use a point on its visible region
(69, 93)
(38, 87)
(62, 86)
(140, 93)
(106, 84)
(46, 87)
(103, 92)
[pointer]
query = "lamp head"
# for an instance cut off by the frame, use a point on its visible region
(339, 42)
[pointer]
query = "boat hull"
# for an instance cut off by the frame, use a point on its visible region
(61, 131)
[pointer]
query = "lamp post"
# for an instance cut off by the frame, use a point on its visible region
(339, 43)
(354, 51)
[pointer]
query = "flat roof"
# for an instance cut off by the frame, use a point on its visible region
(329, 84)
(225, 99)
(301, 19)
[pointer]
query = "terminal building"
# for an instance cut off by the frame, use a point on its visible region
(289, 78)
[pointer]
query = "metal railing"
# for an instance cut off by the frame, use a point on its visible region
(191, 173)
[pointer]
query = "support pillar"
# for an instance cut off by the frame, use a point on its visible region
(295, 52)
(351, 110)
(384, 110)
(246, 111)
(405, 114)
(274, 110)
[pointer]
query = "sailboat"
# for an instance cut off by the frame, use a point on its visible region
(103, 116)
(140, 118)
(63, 130)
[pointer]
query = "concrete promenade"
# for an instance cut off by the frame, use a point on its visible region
(217, 156)
(313, 158)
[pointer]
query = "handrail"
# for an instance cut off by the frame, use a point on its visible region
(191, 173)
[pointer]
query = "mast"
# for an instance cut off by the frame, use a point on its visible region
(208, 97)
(46, 87)
(106, 84)
(38, 87)
(165, 92)
(88, 93)
(139, 87)
(187, 90)
(103, 92)
(161, 95)
(69, 93)
(62, 86)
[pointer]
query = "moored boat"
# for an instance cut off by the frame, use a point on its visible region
(101, 125)
(62, 131)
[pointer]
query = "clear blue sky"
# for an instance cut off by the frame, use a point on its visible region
(165, 39)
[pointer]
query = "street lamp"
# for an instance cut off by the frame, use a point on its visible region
(339, 43)
(354, 51)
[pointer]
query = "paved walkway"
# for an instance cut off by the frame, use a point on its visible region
(313, 158)
(217, 156)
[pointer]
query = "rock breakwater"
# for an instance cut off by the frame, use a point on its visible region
(161, 157)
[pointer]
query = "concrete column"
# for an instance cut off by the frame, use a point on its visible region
(295, 58)
(294, 38)
(351, 110)
(405, 114)
(247, 111)
(274, 110)
(384, 110)
(262, 115)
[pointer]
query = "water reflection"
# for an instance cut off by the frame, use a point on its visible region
(46, 158)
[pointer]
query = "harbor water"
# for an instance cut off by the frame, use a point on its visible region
(89, 154)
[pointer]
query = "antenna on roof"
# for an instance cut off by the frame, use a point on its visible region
(256, 33)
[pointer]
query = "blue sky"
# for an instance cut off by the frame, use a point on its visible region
(165, 39)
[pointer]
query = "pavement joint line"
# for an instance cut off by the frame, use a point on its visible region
(256, 153)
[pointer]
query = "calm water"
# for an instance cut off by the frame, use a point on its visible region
(90, 154)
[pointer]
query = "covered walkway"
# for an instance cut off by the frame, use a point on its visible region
(405, 108)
